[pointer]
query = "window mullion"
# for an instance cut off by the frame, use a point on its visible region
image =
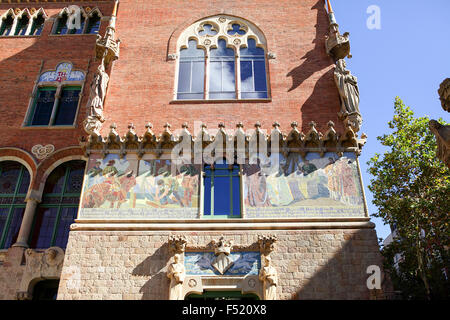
(238, 74)
(56, 104)
(231, 191)
(212, 192)
(207, 71)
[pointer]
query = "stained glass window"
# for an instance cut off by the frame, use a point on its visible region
(67, 106)
(253, 72)
(14, 183)
(222, 191)
(191, 76)
(59, 206)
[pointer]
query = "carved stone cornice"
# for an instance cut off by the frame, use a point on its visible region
(293, 141)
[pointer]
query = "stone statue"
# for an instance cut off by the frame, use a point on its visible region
(269, 276)
(442, 134)
(347, 85)
(96, 99)
(177, 274)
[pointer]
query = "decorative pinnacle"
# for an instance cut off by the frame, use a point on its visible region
(113, 126)
(185, 125)
(258, 124)
(221, 125)
(239, 125)
(149, 125)
(312, 124)
(330, 124)
(294, 124)
(204, 126)
(131, 126)
(331, 13)
(276, 125)
(167, 125)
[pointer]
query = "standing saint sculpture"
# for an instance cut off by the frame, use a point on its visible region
(269, 276)
(177, 274)
(96, 98)
(347, 85)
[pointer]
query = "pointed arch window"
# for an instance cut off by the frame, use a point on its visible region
(7, 24)
(89, 23)
(222, 58)
(38, 25)
(93, 24)
(22, 25)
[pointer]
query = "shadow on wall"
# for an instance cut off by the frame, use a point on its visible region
(314, 61)
(342, 276)
(154, 267)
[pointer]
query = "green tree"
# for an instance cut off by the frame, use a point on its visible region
(411, 189)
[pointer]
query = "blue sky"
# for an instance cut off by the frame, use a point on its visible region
(408, 57)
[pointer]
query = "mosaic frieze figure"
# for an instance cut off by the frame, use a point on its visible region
(96, 98)
(347, 85)
(177, 274)
(269, 276)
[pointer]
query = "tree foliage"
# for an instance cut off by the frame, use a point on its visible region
(411, 189)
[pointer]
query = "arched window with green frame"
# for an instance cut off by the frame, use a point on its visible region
(14, 184)
(59, 206)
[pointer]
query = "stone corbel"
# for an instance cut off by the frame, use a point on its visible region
(177, 244)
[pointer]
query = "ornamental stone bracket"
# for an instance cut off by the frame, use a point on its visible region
(182, 282)
(442, 132)
(45, 265)
(294, 141)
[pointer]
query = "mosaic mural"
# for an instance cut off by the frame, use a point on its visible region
(244, 263)
(290, 187)
(130, 188)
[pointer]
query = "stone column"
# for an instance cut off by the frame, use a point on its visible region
(27, 221)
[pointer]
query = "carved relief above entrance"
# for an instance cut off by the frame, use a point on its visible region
(221, 266)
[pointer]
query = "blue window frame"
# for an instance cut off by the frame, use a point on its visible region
(191, 76)
(222, 76)
(59, 206)
(222, 191)
(14, 183)
(253, 72)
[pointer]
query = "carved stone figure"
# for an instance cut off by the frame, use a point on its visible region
(267, 244)
(96, 98)
(347, 85)
(268, 274)
(177, 273)
(442, 134)
(177, 244)
(444, 94)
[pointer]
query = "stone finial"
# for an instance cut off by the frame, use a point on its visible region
(276, 125)
(148, 126)
(267, 244)
(177, 244)
(294, 125)
(167, 126)
(258, 125)
(240, 125)
(221, 125)
(185, 125)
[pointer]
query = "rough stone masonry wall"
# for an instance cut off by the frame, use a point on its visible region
(11, 271)
(322, 264)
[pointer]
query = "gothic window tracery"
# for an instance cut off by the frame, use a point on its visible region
(222, 58)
